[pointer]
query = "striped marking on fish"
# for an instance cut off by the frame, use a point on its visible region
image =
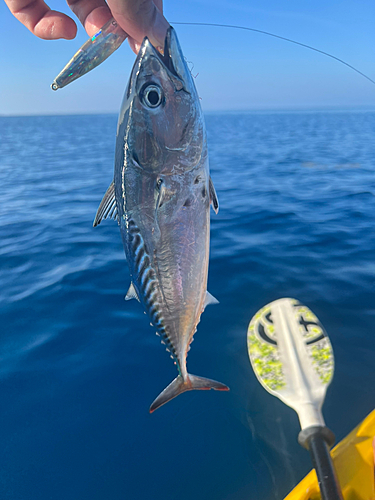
(148, 285)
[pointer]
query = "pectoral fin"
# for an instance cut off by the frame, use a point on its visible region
(107, 207)
(213, 197)
(161, 196)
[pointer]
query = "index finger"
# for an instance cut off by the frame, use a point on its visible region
(93, 14)
(41, 20)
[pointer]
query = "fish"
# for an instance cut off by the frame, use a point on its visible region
(161, 196)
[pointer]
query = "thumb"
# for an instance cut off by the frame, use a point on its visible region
(140, 18)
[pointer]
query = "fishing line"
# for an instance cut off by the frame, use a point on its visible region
(281, 38)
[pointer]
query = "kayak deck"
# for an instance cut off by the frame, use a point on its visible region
(353, 458)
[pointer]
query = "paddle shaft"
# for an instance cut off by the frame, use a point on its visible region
(316, 443)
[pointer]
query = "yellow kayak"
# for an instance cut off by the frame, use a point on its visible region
(353, 458)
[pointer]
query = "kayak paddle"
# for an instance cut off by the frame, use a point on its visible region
(292, 358)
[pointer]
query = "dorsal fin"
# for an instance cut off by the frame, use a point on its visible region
(107, 207)
(132, 293)
(213, 197)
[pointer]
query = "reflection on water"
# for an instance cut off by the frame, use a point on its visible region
(79, 367)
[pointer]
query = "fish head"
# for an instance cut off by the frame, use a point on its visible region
(164, 125)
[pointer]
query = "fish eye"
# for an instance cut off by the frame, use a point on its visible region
(152, 96)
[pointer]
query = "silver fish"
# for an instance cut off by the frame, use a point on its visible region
(161, 196)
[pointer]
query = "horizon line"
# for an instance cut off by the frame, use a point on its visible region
(301, 108)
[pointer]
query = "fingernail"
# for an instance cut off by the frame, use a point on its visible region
(135, 46)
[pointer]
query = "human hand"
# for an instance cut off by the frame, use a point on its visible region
(138, 18)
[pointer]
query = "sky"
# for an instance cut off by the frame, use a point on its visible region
(235, 70)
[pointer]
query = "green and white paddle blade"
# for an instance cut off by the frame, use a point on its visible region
(292, 357)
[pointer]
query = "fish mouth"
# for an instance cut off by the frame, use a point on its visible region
(171, 58)
(169, 53)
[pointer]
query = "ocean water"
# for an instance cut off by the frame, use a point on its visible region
(79, 366)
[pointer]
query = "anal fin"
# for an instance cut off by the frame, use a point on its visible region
(107, 207)
(210, 299)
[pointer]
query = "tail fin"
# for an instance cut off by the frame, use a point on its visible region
(178, 386)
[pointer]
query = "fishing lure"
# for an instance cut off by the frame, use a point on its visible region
(98, 48)
(92, 53)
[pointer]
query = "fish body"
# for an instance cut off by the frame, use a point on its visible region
(161, 196)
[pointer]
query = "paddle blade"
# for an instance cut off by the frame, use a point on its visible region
(292, 356)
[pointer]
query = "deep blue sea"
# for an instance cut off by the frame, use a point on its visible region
(79, 366)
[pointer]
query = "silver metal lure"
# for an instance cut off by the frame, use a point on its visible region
(92, 53)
